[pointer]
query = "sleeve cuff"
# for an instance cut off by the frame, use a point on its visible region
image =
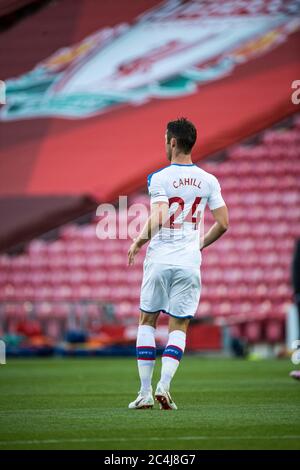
(217, 204)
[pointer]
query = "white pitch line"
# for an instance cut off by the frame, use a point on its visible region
(124, 439)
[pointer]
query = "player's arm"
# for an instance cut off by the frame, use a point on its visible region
(219, 211)
(219, 227)
(158, 216)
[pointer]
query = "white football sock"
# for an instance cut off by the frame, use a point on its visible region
(171, 357)
(146, 353)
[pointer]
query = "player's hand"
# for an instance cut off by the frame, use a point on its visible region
(133, 250)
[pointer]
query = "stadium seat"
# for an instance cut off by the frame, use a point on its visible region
(245, 276)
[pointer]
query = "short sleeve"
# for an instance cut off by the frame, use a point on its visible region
(215, 199)
(156, 190)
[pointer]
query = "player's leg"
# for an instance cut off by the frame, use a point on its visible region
(146, 354)
(174, 349)
(170, 360)
(183, 303)
(146, 350)
(153, 300)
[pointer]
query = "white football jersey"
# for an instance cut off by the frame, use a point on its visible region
(187, 189)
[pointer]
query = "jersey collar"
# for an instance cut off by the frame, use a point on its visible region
(183, 164)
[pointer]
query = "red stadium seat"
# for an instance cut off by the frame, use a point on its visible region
(246, 275)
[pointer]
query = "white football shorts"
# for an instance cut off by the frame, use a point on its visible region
(174, 290)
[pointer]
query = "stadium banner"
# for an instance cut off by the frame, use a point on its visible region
(86, 106)
(165, 53)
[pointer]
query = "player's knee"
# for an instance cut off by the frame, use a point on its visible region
(178, 324)
(148, 319)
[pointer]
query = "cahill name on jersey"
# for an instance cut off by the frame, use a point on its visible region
(187, 189)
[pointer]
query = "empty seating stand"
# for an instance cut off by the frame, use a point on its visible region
(80, 280)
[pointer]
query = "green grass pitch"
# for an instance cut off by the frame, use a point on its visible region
(82, 404)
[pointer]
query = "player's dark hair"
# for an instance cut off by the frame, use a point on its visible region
(184, 132)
